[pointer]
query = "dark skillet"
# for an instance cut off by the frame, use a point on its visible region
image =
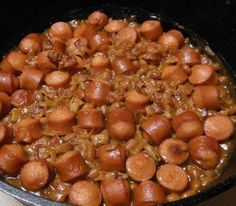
(217, 24)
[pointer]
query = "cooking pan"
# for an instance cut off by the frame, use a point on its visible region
(214, 21)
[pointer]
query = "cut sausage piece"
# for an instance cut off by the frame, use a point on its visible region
(17, 60)
(100, 62)
(188, 56)
(204, 152)
(156, 129)
(77, 46)
(6, 135)
(201, 74)
(58, 79)
(71, 166)
(116, 192)
(114, 26)
(174, 151)
(31, 43)
(148, 193)
(12, 158)
(207, 97)
(140, 167)
(84, 30)
(97, 92)
(85, 193)
(44, 63)
(172, 177)
(61, 30)
(136, 101)
(98, 19)
(122, 65)
(174, 74)
(219, 126)
(21, 98)
(127, 35)
(121, 124)
(111, 157)
(61, 121)
(53, 43)
(171, 40)
(8, 82)
(91, 119)
(6, 66)
(99, 42)
(27, 130)
(151, 30)
(36, 174)
(5, 103)
(31, 78)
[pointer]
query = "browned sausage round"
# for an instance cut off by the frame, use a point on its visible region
(12, 158)
(121, 124)
(171, 40)
(6, 66)
(100, 62)
(85, 193)
(116, 192)
(188, 56)
(27, 130)
(127, 35)
(58, 79)
(84, 30)
(201, 74)
(8, 82)
(31, 78)
(55, 44)
(17, 60)
(98, 19)
(61, 121)
(43, 62)
(136, 101)
(6, 135)
(114, 26)
(219, 126)
(156, 129)
(99, 42)
(61, 30)
(151, 30)
(71, 166)
(36, 174)
(97, 92)
(74, 45)
(206, 97)
(21, 98)
(111, 157)
(204, 151)
(172, 177)
(174, 74)
(122, 65)
(5, 103)
(149, 193)
(31, 43)
(91, 119)
(174, 151)
(140, 167)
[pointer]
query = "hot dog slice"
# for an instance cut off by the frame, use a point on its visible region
(21, 98)
(6, 135)
(98, 19)
(17, 60)
(114, 26)
(44, 63)
(5, 103)
(188, 56)
(84, 30)
(151, 30)
(99, 42)
(122, 65)
(31, 43)
(127, 35)
(61, 30)
(58, 79)
(8, 82)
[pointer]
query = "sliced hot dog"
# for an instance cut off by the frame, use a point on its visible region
(174, 151)
(111, 157)
(140, 167)
(27, 130)
(17, 60)
(57, 79)
(99, 42)
(172, 177)
(71, 166)
(53, 43)
(127, 35)
(21, 98)
(204, 152)
(91, 119)
(116, 192)
(5, 103)
(122, 65)
(156, 129)
(151, 30)
(8, 82)
(84, 30)
(61, 121)
(100, 62)
(12, 158)
(44, 63)
(61, 30)
(85, 193)
(114, 26)
(6, 66)
(36, 174)
(6, 135)
(188, 56)
(149, 193)
(98, 19)
(219, 127)
(121, 124)
(31, 43)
